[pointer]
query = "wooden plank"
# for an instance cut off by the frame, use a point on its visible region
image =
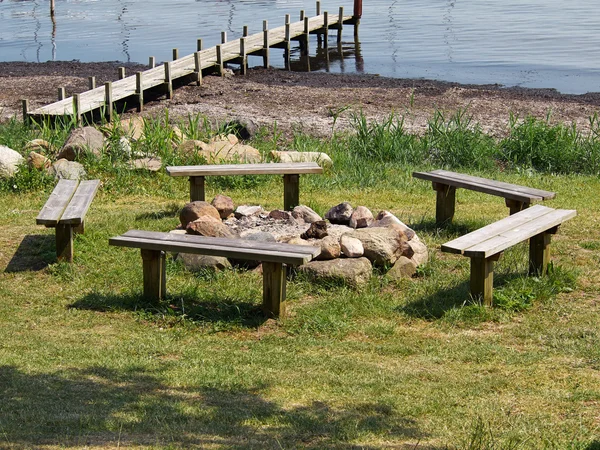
(57, 203)
(80, 202)
(512, 236)
(462, 243)
(245, 169)
(223, 242)
(492, 187)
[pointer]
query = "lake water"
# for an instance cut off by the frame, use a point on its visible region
(528, 43)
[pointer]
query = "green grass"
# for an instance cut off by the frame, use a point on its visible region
(86, 362)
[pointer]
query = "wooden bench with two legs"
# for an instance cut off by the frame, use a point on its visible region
(485, 245)
(65, 211)
(273, 256)
(445, 184)
(291, 176)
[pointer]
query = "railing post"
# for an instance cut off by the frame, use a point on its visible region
(25, 104)
(139, 87)
(108, 102)
(198, 68)
(152, 62)
(265, 44)
(92, 82)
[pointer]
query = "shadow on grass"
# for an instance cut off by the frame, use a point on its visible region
(213, 309)
(134, 406)
(171, 210)
(450, 230)
(35, 252)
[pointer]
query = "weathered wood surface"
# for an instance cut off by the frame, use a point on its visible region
(505, 233)
(232, 50)
(487, 186)
(57, 203)
(229, 248)
(75, 213)
(245, 169)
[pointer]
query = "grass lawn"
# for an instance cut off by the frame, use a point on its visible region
(85, 362)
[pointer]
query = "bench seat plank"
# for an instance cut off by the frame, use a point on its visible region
(231, 248)
(505, 233)
(57, 203)
(245, 169)
(75, 213)
(487, 186)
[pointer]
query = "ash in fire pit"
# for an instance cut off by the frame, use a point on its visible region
(352, 240)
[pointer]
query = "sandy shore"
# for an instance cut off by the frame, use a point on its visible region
(309, 101)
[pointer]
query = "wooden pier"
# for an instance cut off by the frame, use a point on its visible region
(191, 67)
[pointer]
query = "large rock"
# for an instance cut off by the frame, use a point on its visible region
(69, 170)
(210, 227)
(421, 254)
(322, 159)
(224, 205)
(38, 161)
(330, 248)
(191, 147)
(340, 214)
(387, 219)
(242, 127)
(197, 263)
(194, 210)
(151, 164)
(351, 247)
(220, 150)
(81, 141)
(361, 217)
(133, 127)
(247, 211)
(9, 161)
(383, 246)
(352, 271)
(305, 213)
(316, 230)
(403, 268)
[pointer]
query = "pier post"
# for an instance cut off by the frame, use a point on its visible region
(92, 82)
(223, 37)
(302, 15)
(108, 103)
(305, 37)
(198, 68)
(77, 109)
(152, 62)
(121, 73)
(245, 31)
(25, 104)
(326, 29)
(61, 93)
(319, 7)
(265, 44)
(286, 52)
(175, 54)
(168, 80)
(199, 45)
(357, 10)
(219, 60)
(340, 24)
(139, 90)
(243, 57)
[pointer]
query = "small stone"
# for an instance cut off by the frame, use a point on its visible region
(194, 210)
(9, 161)
(320, 158)
(197, 263)
(340, 214)
(208, 226)
(316, 230)
(351, 271)
(402, 268)
(361, 217)
(278, 214)
(305, 213)
(69, 170)
(152, 164)
(38, 161)
(224, 205)
(351, 247)
(330, 248)
(123, 148)
(247, 211)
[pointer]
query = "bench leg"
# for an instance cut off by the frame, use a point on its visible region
(273, 289)
(445, 203)
(539, 252)
(482, 278)
(515, 206)
(291, 191)
(196, 189)
(64, 243)
(79, 229)
(154, 274)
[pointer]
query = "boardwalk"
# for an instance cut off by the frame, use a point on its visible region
(101, 99)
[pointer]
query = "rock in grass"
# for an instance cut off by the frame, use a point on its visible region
(351, 247)
(351, 271)
(151, 164)
(361, 217)
(320, 158)
(305, 213)
(86, 140)
(38, 161)
(340, 214)
(197, 263)
(383, 246)
(402, 268)
(194, 210)
(9, 161)
(330, 248)
(224, 205)
(69, 170)
(210, 227)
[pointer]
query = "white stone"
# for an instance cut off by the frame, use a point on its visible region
(9, 161)
(351, 247)
(320, 158)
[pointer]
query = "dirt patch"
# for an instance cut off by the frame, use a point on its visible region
(309, 101)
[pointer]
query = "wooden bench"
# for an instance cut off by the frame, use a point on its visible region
(484, 246)
(65, 211)
(273, 256)
(291, 176)
(445, 183)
